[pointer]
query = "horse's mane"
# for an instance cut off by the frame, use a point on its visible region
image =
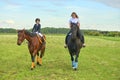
(30, 33)
(75, 25)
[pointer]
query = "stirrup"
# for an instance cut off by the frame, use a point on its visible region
(65, 46)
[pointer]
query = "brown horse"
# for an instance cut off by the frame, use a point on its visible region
(36, 44)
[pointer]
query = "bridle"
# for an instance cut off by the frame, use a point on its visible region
(22, 37)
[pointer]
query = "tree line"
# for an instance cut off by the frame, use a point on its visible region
(48, 30)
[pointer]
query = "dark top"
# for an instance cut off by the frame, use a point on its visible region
(36, 28)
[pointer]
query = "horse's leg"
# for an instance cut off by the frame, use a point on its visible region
(32, 56)
(33, 59)
(37, 58)
(72, 59)
(76, 61)
(41, 55)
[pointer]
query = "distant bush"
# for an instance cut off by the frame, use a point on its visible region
(102, 33)
(48, 30)
(94, 33)
(54, 30)
(113, 34)
(7, 30)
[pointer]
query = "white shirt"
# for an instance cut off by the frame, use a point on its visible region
(74, 20)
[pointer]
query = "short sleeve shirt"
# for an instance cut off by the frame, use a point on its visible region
(74, 20)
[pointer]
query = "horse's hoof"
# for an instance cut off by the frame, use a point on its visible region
(40, 64)
(37, 63)
(31, 68)
(75, 69)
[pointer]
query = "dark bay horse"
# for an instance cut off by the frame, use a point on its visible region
(35, 45)
(74, 45)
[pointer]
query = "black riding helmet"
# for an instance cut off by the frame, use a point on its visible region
(37, 19)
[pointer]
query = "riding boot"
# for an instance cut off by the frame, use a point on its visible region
(66, 39)
(83, 41)
(81, 38)
(65, 46)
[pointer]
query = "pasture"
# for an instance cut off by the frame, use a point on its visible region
(100, 60)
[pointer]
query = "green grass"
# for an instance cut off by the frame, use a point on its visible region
(100, 60)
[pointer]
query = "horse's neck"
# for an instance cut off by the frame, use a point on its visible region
(74, 36)
(28, 38)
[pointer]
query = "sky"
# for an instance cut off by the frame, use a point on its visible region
(93, 14)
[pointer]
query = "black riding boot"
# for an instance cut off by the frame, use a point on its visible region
(81, 36)
(65, 46)
(66, 38)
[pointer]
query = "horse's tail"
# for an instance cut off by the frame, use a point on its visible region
(44, 38)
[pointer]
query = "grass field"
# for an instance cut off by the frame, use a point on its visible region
(100, 60)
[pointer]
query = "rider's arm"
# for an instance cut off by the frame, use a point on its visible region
(33, 28)
(78, 24)
(39, 28)
(69, 25)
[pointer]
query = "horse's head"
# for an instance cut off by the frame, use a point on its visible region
(21, 36)
(74, 29)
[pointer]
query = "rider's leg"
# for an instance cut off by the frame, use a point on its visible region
(66, 38)
(40, 34)
(81, 36)
(43, 39)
